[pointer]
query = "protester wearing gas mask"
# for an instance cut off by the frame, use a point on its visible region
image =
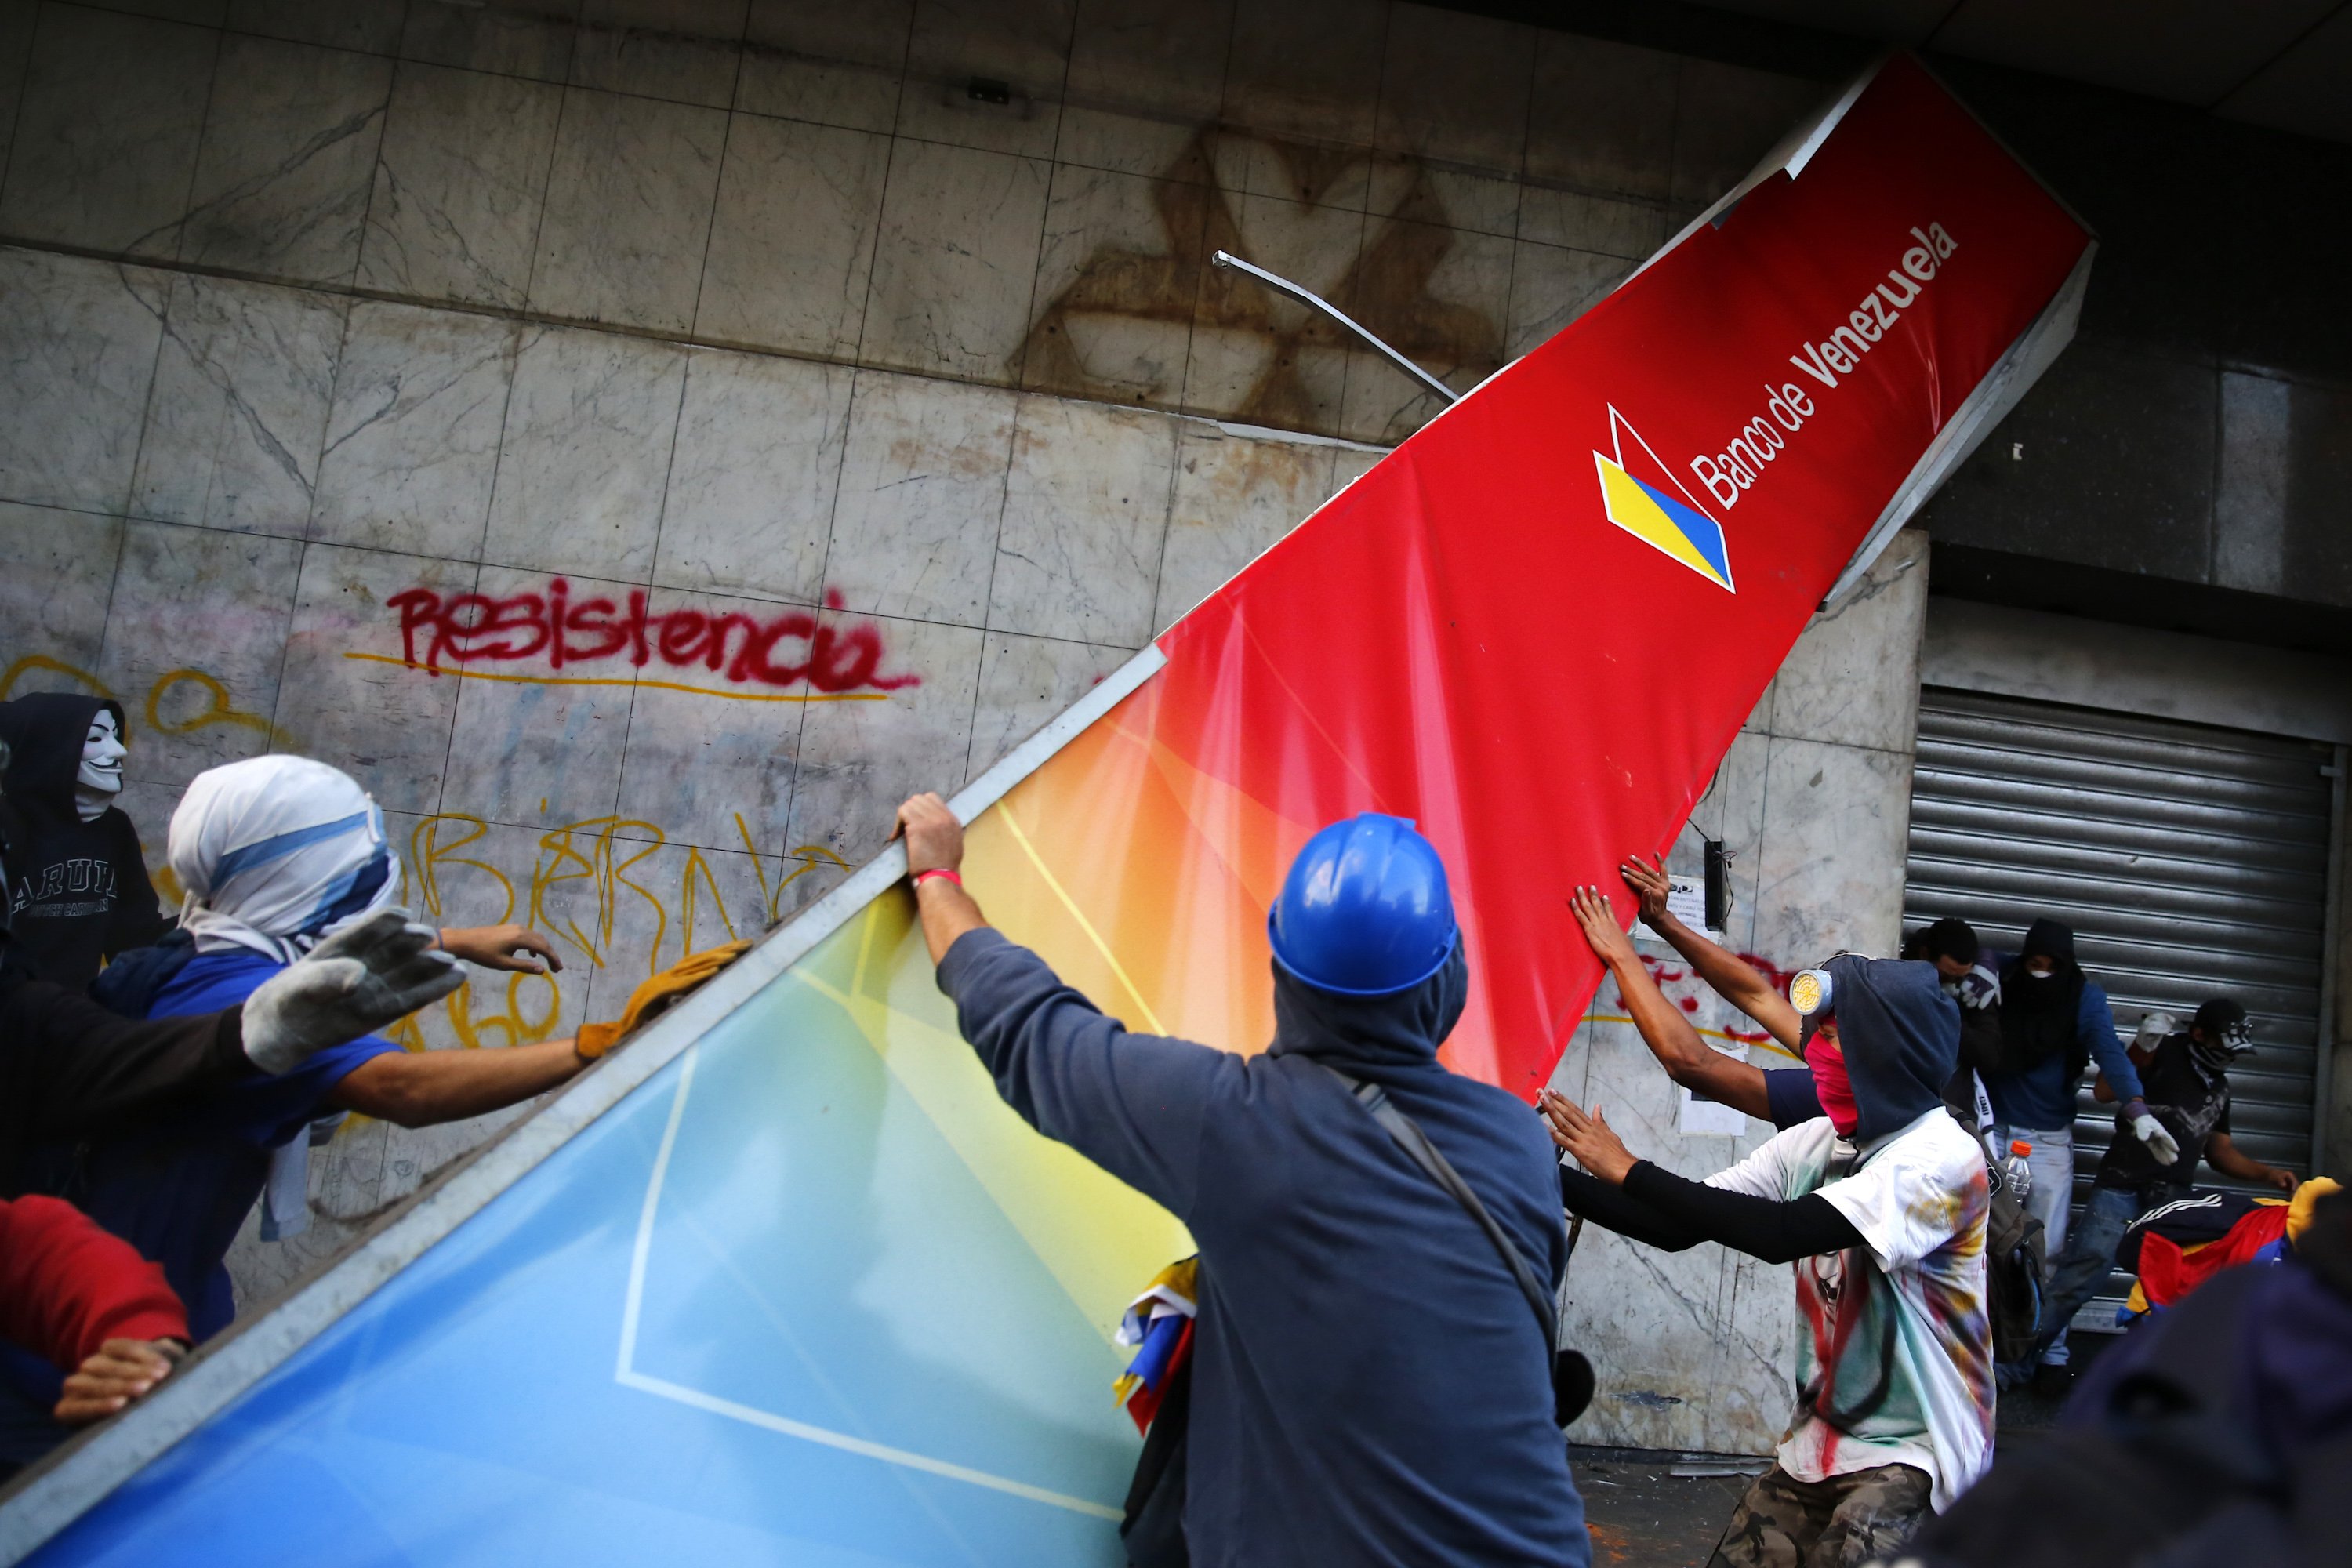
(78, 889)
(1881, 1205)
(2188, 1084)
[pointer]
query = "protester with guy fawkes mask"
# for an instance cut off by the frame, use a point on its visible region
(77, 889)
(281, 857)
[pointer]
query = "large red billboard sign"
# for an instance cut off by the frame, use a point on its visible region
(1536, 627)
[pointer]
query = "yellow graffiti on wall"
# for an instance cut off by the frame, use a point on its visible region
(596, 857)
(457, 673)
(601, 862)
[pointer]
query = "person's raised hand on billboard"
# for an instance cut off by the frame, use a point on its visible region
(1651, 885)
(935, 864)
(1664, 1027)
(1597, 920)
(1729, 976)
(934, 837)
(1587, 1136)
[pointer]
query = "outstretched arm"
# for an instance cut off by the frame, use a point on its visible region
(2224, 1154)
(935, 843)
(1673, 1211)
(86, 1301)
(426, 1089)
(2094, 1026)
(1612, 1209)
(1134, 1104)
(1687, 1058)
(67, 1287)
(78, 1067)
(512, 947)
(1728, 975)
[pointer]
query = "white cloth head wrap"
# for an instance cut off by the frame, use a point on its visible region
(276, 853)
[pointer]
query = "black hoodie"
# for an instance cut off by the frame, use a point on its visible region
(1900, 1036)
(2039, 1017)
(78, 891)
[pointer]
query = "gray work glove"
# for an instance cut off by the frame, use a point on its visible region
(364, 978)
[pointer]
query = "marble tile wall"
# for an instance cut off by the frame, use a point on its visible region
(1016, 192)
(214, 491)
(248, 509)
(864, 362)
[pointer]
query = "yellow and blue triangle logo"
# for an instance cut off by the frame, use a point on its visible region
(1655, 515)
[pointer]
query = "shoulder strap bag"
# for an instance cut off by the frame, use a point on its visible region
(1572, 1374)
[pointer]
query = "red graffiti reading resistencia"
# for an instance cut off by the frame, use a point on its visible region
(785, 649)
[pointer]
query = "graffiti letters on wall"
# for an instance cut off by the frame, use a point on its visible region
(596, 884)
(554, 628)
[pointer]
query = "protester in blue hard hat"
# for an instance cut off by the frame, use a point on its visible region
(1372, 1379)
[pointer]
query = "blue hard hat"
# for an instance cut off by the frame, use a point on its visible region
(1365, 911)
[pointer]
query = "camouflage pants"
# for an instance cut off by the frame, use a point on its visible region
(1841, 1522)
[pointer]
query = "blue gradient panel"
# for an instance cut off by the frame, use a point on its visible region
(839, 1348)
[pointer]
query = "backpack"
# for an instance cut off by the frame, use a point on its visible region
(2014, 1247)
(131, 983)
(2014, 1250)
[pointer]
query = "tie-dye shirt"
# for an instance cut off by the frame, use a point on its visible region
(1893, 1343)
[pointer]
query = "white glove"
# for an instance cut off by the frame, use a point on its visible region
(2161, 1144)
(361, 979)
(1979, 988)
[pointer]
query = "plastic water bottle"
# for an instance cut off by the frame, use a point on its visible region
(2016, 1172)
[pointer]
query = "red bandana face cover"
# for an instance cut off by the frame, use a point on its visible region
(1830, 1082)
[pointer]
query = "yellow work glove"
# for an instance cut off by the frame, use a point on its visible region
(656, 997)
(2298, 1214)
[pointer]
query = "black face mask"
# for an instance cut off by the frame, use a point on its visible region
(2024, 991)
(2213, 1053)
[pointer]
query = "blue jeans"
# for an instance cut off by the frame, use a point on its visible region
(2052, 1164)
(2090, 1255)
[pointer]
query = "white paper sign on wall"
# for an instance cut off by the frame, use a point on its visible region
(1712, 1118)
(1686, 901)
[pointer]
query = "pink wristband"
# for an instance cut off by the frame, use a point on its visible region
(922, 877)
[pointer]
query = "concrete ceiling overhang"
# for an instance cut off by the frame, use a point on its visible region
(2282, 64)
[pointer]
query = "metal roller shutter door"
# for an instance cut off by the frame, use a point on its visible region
(2191, 862)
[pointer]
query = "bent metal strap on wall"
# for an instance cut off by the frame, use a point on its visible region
(783, 1279)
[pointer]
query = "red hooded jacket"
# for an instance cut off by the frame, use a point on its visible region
(66, 1287)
